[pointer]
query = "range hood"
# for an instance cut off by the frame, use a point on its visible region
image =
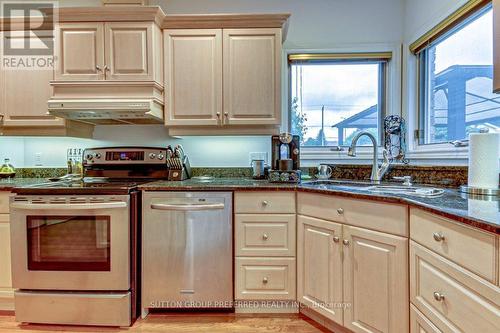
(108, 111)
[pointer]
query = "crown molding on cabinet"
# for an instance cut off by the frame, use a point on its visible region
(226, 21)
(88, 14)
(111, 14)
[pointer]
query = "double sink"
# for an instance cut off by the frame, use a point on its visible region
(411, 190)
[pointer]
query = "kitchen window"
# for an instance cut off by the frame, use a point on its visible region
(456, 78)
(334, 96)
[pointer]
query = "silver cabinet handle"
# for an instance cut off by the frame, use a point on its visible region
(340, 211)
(98, 68)
(438, 237)
(226, 116)
(345, 242)
(265, 203)
(265, 237)
(86, 206)
(336, 239)
(265, 280)
(106, 68)
(438, 296)
(187, 207)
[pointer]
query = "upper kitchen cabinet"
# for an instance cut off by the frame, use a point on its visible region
(79, 51)
(109, 65)
(193, 76)
(108, 51)
(252, 76)
(24, 91)
(223, 73)
(131, 52)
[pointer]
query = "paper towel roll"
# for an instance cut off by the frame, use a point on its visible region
(484, 151)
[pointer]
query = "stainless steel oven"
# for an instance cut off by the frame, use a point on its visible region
(70, 243)
(71, 259)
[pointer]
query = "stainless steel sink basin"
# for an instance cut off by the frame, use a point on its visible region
(419, 191)
(339, 182)
(408, 190)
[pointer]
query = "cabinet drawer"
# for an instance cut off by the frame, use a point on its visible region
(265, 279)
(373, 215)
(264, 202)
(470, 248)
(419, 323)
(452, 298)
(265, 235)
(4, 202)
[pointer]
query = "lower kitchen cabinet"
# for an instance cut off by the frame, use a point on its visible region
(265, 278)
(265, 242)
(353, 276)
(6, 293)
(454, 299)
(375, 281)
(319, 266)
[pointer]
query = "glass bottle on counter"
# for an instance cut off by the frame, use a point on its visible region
(7, 170)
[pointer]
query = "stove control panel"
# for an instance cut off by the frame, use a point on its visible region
(124, 155)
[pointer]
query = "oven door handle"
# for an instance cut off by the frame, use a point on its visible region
(86, 206)
(187, 207)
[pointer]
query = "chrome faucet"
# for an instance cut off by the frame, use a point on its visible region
(377, 173)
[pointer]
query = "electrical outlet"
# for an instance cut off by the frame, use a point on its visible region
(257, 156)
(38, 159)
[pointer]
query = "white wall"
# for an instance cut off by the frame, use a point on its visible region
(314, 24)
(422, 15)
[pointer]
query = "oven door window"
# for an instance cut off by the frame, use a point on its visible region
(68, 243)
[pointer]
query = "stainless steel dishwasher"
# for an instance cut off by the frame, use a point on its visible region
(187, 250)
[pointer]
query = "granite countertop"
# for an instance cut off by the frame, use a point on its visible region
(452, 204)
(9, 184)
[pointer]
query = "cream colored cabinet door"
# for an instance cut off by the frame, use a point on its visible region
(25, 91)
(252, 76)
(375, 281)
(193, 77)
(129, 51)
(319, 266)
(80, 51)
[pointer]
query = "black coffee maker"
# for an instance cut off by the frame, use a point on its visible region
(285, 164)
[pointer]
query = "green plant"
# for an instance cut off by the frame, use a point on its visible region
(299, 120)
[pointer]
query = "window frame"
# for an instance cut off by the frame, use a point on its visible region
(412, 97)
(392, 99)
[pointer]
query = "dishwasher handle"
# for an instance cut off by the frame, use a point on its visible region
(187, 207)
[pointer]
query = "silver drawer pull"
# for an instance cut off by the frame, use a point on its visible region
(265, 280)
(345, 242)
(336, 239)
(265, 237)
(340, 211)
(438, 237)
(265, 203)
(438, 296)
